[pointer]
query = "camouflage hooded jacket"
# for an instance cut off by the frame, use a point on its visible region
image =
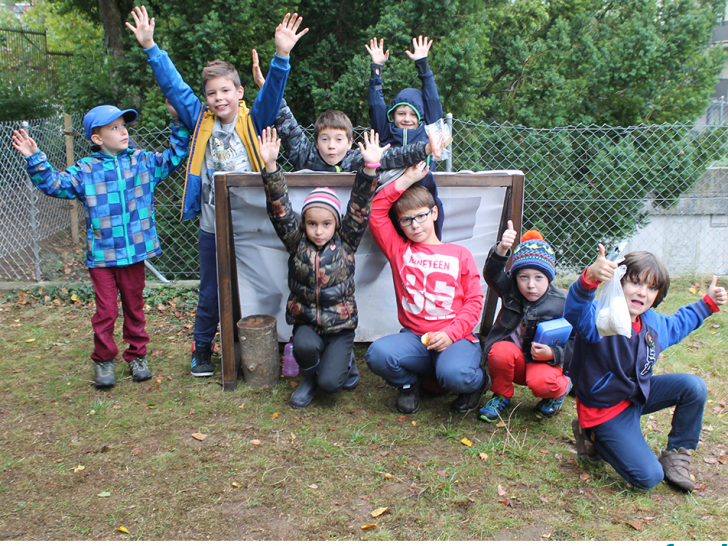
(321, 280)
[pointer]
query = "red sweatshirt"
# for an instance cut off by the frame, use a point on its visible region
(437, 286)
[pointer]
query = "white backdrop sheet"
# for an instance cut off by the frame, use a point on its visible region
(472, 216)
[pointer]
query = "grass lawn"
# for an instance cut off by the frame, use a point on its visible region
(80, 464)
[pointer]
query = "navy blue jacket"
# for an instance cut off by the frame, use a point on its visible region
(609, 370)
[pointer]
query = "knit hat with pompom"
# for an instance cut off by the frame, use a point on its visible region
(534, 253)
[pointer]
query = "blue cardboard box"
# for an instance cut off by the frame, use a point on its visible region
(553, 333)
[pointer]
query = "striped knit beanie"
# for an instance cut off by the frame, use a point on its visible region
(534, 253)
(326, 198)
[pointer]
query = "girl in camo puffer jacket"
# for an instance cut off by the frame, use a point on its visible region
(321, 306)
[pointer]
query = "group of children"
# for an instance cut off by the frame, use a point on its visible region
(437, 285)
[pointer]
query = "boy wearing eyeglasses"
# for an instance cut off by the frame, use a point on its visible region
(439, 300)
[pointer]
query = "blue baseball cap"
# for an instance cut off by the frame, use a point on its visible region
(103, 115)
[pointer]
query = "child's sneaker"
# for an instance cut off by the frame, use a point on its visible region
(676, 464)
(494, 407)
(201, 365)
(139, 369)
(408, 400)
(585, 449)
(104, 374)
(551, 406)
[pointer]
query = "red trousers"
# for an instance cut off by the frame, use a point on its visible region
(128, 282)
(507, 366)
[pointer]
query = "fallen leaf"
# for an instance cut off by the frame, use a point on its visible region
(402, 418)
(274, 416)
(500, 425)
(199, 436)
(242, 406)
(136, 451)
(692, 290)
(414, 423)
(466, 442)
(584, 477)
(708, 428)
(255, 442)
(501, 491)
(710, 460)
(389, 476)
(122, 529)
(104, 494)
(78, 468)
(546, 536)
(368, 497)
(192, 411)
(313, 486)
(544, 451)
(544, 499)
(379, 511)
(441, 473)
(483, 456)
(235, 484)
(368, 526)
(31, 340)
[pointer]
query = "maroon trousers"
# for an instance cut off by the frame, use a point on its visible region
(109, 283)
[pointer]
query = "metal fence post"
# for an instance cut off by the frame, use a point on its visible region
(68, 137)
(448, 161)
(33, 213)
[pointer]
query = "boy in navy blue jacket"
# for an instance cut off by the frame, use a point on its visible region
(403, 121)
(613, 378)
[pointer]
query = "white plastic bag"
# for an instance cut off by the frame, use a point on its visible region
(612, 312)
(440, 138)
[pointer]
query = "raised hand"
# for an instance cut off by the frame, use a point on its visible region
(144, 29)
(286, 36)
(413, 174)
(269, 145)
(376, 51)
(602, 269)
(24, 144)
(717, 293)
(421, 48)
(507, 239)
(257, 74)
(370, 150)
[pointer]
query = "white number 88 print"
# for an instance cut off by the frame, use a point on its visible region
(431, 291)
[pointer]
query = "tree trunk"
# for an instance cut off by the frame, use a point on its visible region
(111, 21)
(261, 363)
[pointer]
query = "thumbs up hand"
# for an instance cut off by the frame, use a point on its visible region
(507, 240)
(602, 269)
(717, 293)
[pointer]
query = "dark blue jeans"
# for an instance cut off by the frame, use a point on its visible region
(401, 358)
(620, 440)
(332, 353)
(208, 312)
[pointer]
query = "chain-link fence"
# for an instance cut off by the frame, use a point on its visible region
(660, 187)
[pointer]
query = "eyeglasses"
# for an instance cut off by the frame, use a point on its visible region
(420, 219)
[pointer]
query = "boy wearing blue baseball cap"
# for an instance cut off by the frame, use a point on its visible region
(116, 186)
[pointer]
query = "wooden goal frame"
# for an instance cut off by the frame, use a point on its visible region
(227, 273)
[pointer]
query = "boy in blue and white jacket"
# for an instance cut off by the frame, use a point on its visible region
(224, 138)
(116, 187)
(613, 376)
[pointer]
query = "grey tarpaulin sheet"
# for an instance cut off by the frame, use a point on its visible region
(472, 219)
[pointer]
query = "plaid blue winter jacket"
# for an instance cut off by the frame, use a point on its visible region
(118, 197)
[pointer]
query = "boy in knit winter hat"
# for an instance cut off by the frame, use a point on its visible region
(528, 298)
